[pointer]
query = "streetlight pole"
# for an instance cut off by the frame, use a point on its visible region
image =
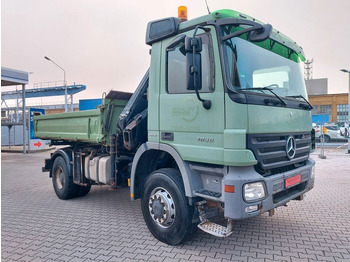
(65, 84)
(348, 72)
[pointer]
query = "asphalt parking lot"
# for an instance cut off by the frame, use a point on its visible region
(106, 226)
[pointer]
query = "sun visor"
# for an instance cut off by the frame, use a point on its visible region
(160, 29)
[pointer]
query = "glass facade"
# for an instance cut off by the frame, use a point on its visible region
(314, 109)
(326, 109)
(342, 113)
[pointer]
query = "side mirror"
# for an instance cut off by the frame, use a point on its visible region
(193, 42)
(193, 47)
(194, 71)
(261, 34)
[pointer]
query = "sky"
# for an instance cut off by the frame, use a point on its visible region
(101, 44)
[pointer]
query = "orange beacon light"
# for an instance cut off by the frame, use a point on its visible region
(182, 13)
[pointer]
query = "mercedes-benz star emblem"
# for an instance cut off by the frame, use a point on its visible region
(291, 147)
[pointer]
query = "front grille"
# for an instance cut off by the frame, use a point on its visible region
(270, 151)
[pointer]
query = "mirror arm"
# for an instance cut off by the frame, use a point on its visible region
(243, 31)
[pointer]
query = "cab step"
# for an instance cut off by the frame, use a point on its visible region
(210, 227)
(215, 229)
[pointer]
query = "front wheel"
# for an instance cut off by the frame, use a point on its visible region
(165, 209)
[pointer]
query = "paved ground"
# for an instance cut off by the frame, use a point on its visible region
(107, 226)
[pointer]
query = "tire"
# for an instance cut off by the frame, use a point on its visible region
(62, 180)
(165, 209)
(83, 190)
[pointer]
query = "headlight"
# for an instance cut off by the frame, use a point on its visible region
(254, 191)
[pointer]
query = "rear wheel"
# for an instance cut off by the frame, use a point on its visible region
(63, 181)
(83, 190)
(165, 209)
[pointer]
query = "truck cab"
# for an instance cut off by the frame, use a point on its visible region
(249, 150)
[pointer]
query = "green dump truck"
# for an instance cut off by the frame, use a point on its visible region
(220, 125)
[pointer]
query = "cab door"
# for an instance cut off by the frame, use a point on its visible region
(195, 132)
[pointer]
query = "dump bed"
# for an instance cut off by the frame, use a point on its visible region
(90, 126)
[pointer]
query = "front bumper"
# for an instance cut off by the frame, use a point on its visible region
(276, 193)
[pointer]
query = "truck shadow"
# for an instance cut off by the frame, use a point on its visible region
(280, 233)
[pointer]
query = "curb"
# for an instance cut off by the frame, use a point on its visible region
(10, 150)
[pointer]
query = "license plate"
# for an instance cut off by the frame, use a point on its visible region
(291, 181)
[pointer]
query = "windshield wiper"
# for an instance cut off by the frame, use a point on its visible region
(267, 101)
(308, 106)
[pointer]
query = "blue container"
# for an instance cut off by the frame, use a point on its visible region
(88, 104)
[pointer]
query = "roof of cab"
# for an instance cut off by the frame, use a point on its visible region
(227, 13)
(164, 28)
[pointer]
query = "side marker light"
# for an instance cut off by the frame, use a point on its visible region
(229, 189)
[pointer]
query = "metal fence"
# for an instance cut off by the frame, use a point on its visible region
(331, 138)
(332, 146)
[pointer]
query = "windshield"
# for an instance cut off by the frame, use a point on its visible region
(250, 66)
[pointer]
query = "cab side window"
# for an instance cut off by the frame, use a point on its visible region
(176, 68)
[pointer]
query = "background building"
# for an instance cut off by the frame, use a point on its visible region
(334, 105)
(16, 121)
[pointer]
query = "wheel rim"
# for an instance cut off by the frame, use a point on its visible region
(162, 207)
(59, 177)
